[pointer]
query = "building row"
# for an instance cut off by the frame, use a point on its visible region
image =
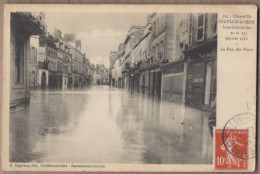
(40, 60)
(62, 64)
(173, 57)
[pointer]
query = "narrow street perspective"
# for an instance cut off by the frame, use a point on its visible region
(112, 88)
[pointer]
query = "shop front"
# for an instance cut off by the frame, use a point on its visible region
(201, 76)
(155, 78)
(22, 26)
(136, 78)
(126, 77)
(173, 82)
(53, 79)
(144, 78)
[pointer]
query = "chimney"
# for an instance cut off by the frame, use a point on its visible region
(78, 45)
(57, 34)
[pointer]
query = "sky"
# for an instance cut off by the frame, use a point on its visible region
(99, 33)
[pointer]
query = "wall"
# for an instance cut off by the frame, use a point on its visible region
(19, 92)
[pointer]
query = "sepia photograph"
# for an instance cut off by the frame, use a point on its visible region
(125, 88)
(120, 88)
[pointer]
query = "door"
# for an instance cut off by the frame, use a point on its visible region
(159, 81)
(154, 85)
(43, 80)
(143, 87)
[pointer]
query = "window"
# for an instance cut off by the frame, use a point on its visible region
(19, 61)
(186, 22)
(191, 21)
(207, 84)
(33, 57)
(60, 55)
(158, 28)
(153, 52)
(158, 51)
(200, 27)
(52, 53)
(161, 50)
(214, 24)
(120, 62)
(154, 29)
(163, 21)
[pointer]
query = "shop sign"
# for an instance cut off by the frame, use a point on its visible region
(173, 69)
(157, 70)
(208, 54)
(198, 80)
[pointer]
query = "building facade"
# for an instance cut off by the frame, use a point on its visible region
(76, 66)
(134, 35)
(48, 54)
(43, 78)
(112, 70)
(201, 58)
(23, 26)
(174, 70)
(143, 55)
(64, 62)
(172, 58)
(33, 62)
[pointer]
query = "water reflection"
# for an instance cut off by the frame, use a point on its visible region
(108, 125)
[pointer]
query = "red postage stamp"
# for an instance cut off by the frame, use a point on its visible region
(231, 149)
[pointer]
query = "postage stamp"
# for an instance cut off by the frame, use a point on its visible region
(231, 149)
(242, 121)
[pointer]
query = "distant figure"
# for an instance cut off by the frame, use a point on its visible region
(212, 117)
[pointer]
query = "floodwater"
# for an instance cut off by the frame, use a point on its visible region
(104, 124)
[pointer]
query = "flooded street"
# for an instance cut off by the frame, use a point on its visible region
(103, 124)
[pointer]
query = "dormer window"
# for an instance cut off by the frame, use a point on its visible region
(201, 27)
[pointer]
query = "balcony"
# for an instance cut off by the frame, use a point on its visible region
(27, 22)
(125, 68)
(43, 65)
(144, 65)
(65, 70)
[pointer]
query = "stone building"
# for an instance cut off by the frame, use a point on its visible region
(116, 62)
(64, 58)
(92, 74)
(87, 72)
(102, 74)
(201, 56)
(189, 82)
(142, 56)
(48, 57)
(76, 65)
(163, 36)
(174, 70)
(23, 26)
(112, 70)
(33, 62)
(119, 64)
(134, 35)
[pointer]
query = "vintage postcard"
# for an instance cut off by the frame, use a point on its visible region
(129, 88)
